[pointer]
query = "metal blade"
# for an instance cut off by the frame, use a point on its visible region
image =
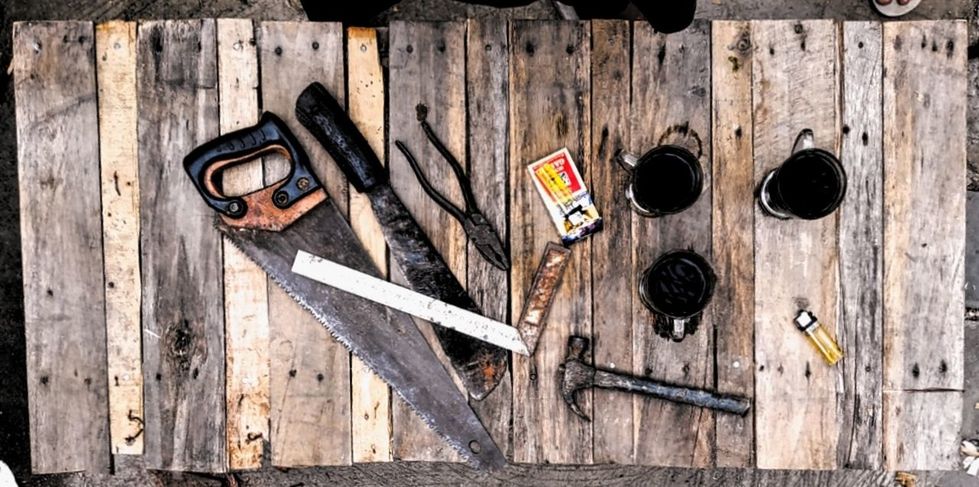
(386, 340)
(480, 365)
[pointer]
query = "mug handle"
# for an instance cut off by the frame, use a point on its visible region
(806, 140)
(679, 328)
(626, 159)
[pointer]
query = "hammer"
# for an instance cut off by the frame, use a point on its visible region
(577, 375)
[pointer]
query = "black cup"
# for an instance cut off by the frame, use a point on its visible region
(666, 180)
(678, 286)
(809, 185)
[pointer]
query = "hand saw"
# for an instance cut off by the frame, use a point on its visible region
(481, 366)
(272, 224)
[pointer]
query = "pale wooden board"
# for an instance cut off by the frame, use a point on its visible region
(309, 371)
(733, 236)
(924, 205)
(370, 399)
(61, 245)
(487, 99)
(549, 109)
(246, 303)
(115, 44)
(183, 315)
(861, 255)
(922, 429)
(427, 65)
(671, 96)
(794, 69)
(611, 255)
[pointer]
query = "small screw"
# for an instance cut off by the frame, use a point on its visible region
(234, 207)
(302, 184)
(281, 198)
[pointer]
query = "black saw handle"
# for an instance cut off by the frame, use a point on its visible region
(323, 116)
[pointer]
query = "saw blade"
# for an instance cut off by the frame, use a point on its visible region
(386, 340)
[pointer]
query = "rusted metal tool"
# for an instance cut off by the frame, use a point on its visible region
(576, 375)
(542, 291)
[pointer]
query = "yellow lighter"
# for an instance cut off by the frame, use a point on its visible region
(821, 338)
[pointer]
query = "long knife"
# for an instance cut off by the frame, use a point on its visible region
(481, 366)
(272, 224)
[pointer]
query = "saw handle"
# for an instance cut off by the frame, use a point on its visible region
(323, 116)
(206, 164)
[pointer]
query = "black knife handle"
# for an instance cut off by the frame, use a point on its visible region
(205, 164)
(323, 116)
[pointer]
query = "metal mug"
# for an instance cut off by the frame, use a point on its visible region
(809, 185)
(678, 287)
(666, 180)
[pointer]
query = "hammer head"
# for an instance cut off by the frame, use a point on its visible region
(575, 374)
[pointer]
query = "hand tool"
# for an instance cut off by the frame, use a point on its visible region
(576, 375)
(416, 304)
(271, 224)
(476, 226)
(481, 366)
(538, 302)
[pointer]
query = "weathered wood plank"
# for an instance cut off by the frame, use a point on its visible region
(309, 371)
(549, 109)
(115, 44)
(671, 96)
(924, 204)
(61, 245)
(487, 82)
(611, 248)
(427, 66)
(183, 316)
(794, 69)
(246, 304)
(921, 429)
(370, 399)
(861, 238)
(733, 221)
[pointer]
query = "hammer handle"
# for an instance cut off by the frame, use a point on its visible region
(674, 393)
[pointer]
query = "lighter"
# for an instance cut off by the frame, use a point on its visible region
(821, 338)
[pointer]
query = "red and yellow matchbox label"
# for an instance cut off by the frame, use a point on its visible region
(559, 183)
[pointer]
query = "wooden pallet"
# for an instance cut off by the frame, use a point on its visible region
(147, 334)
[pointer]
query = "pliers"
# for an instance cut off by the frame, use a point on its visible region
(474, 223)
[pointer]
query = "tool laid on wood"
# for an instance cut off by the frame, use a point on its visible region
(481, 366)
(541, 294)
(474, 223)
(416, 304)
(272, 224)
(576, 375)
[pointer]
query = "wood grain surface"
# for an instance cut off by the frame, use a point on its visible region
(671, 96)
(183, 312)
(549, 109)
(427, 67)
(246, 302)
(733, 237)
(310, 371)
(61, 238)
(861, 240)
(115, 44)
(613, 427)
(370, 397)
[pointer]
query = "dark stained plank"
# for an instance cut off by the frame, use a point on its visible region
(795, 86)
(115, 44)
(549, 109)
(671, 95)
(61, 242)
(309, 382)
(924, 204)
(612, 247)
(183, 313)
(427, 66)
(487, 82)
(733, 233)
(861, 255)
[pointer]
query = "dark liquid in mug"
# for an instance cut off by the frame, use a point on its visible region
(679, 284)
(667, 180)
(810, 185)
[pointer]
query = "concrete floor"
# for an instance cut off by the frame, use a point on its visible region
(13, 406)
